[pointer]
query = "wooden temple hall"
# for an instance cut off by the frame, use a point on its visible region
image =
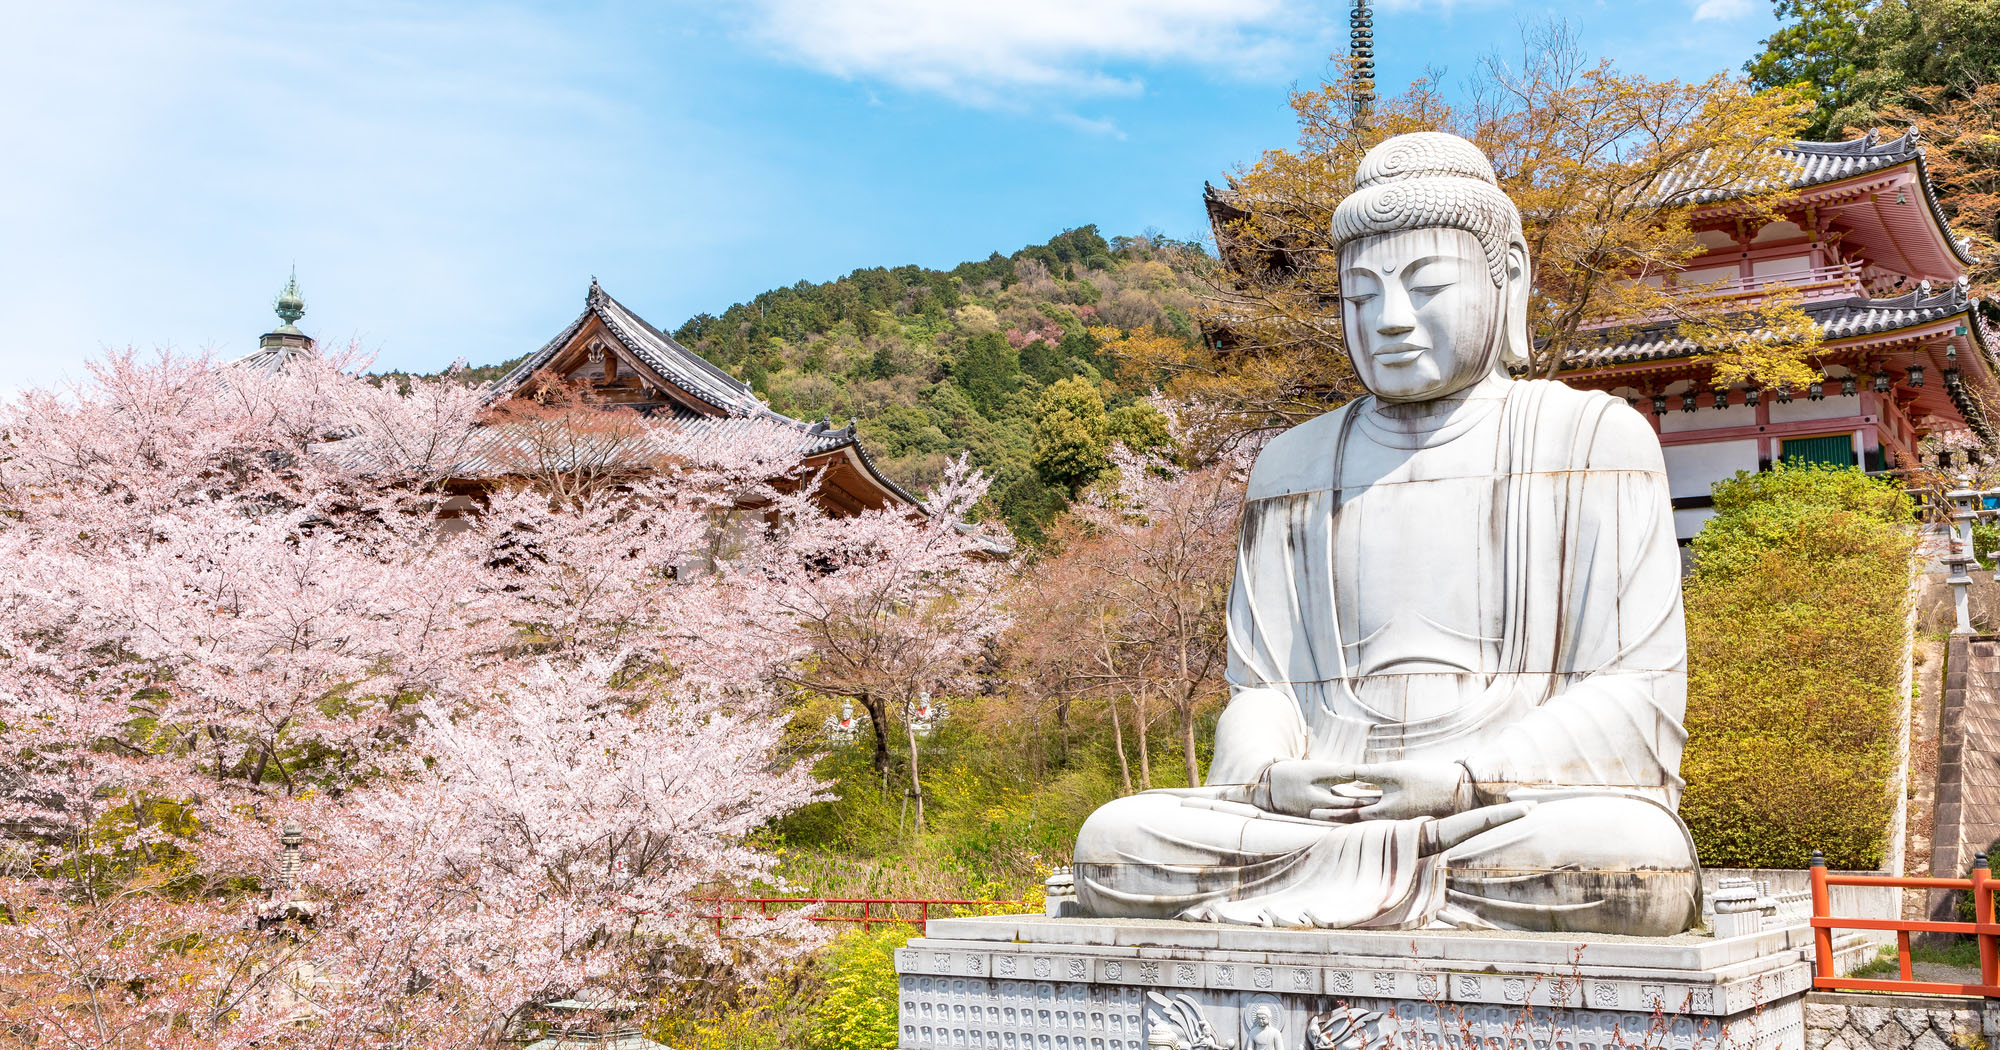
(629, 363)
(632, 364)
(1906, 353)
(1863, 241)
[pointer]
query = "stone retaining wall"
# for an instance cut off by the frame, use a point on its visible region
(1968, 763)
(1848, 1021)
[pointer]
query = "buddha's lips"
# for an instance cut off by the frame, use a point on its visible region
(1399, 353)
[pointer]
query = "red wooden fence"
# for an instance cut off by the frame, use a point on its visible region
(1982, 886)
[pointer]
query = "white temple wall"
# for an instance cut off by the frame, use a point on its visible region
(1689, 521)
(1692, 470)
(1799, 409)
(1708, 418)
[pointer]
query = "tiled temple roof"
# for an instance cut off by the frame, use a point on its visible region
(741, 419)
(1838, 319)
(1811, 163)
(657, 350)
(1821, 163)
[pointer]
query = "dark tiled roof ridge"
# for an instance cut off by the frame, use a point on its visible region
(683, 360)
(1838, 318)
(686, 369)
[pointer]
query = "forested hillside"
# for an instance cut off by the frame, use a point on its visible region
(934, 362)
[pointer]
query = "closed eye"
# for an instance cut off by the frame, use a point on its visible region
(1359, 299)
(1430, 289)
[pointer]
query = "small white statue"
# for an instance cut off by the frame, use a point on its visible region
(1456, 658)
(1264, 1032)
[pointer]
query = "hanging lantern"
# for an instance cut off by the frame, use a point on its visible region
(1815, 391)
(1687, 401)
(1882, 382)
(1784, 393)
(1721, 399)
(1847, 386)
(1659, 404)
(1916, 375)
(1750, 396)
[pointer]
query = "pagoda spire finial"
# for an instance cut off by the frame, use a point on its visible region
(1361, 53)
(289, 305)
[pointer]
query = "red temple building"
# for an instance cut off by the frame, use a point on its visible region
(1905, 352)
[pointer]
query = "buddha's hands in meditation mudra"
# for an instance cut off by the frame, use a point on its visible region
(1341, 792)
(1371, 791)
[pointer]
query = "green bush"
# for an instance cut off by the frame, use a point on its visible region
(1796, 619)
(856, 1008)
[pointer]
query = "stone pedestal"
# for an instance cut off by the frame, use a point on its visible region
(1039, 983)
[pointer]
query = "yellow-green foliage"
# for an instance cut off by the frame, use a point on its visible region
(1796, 621)
(856, 1007)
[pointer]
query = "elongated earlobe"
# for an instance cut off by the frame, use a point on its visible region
(1514, 347)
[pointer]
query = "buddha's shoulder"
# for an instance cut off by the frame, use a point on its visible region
(1299, 459)
(1588, 428)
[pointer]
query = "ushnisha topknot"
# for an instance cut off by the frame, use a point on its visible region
(1427, 180)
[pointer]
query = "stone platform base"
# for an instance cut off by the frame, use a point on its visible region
(1035, 983)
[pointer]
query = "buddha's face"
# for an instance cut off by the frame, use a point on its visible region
(1419, 308)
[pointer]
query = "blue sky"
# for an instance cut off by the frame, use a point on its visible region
(448, 177)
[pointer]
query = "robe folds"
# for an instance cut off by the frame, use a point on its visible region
(1557, 603)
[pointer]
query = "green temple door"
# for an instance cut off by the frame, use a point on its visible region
(1833, 450)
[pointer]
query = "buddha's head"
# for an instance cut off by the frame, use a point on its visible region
(1433, 269)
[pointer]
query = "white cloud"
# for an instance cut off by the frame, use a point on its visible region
(997, 55)
(1723, 10)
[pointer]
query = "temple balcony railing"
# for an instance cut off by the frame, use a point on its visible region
(1819, 284)
(1840, 281)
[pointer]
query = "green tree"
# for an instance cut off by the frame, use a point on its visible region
(1071, 442)
(1861, 57)
(988, 370)
(1138, 426)
(1818, 48)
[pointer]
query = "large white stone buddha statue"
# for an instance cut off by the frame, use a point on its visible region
(1456, 658)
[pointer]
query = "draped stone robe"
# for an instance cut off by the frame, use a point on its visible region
(1502, 592)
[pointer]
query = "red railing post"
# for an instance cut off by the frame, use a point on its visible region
(1822, 905)
(924, 915)
(1982, 913)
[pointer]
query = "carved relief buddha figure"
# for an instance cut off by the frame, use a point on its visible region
(1456, 659)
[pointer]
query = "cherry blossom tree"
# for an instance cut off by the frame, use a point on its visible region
(523, 736)
(895, 607)
(1161, 545)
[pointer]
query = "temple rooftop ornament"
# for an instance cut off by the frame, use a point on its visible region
(286, 343)
(290, 306)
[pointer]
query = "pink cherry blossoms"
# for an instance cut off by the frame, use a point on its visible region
(521, 731)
